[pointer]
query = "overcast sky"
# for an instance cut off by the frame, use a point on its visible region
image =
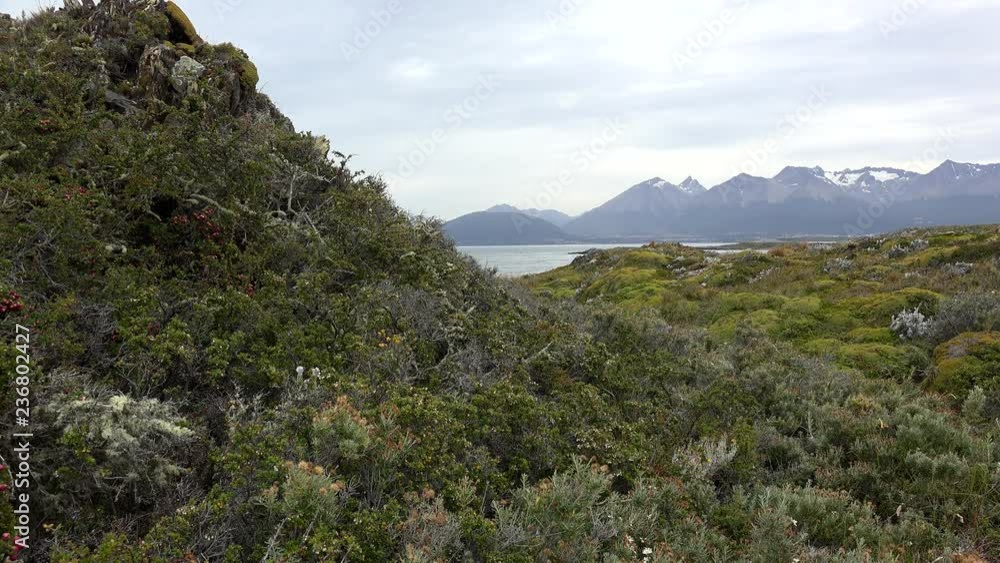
(564, 104)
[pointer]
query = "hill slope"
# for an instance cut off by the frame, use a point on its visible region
(239, 349)
(503, 228)
(557, 218)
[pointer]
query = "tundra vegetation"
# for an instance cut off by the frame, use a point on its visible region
(244, 351)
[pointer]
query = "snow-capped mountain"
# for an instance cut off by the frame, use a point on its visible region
(692, 186)
(648, 205)
(799, 200)
(956, 178)
(868, 180)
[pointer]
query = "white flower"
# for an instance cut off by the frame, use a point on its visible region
(316, 373)
(647, 551)
(300, 371)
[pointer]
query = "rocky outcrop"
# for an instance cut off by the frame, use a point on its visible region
(239, 77)
(182, 31)
(155, 71)
(164, 60)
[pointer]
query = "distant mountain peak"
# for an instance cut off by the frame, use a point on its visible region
(959, 171)
(655, 182)
(800, 173)
(743, 178)
(503, 228)
(692, 186)
(503, 208)
(652, 184)
(689, 186)
(557, 218)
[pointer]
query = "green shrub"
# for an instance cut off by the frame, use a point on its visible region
(965, 362)
(966, 313)
(271, 361)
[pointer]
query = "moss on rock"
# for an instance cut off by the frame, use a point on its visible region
(882, 360)
(181, 29)
(249, 76)
(967, 361)
(880, 308)
(241, 64)
(868, 335)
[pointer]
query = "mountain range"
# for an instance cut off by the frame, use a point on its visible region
(557, 218)
(799, 201)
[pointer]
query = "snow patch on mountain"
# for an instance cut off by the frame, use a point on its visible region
(692, 186)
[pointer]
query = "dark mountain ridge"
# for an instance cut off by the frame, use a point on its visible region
(503, 228)
(800, 201)
(557, 218)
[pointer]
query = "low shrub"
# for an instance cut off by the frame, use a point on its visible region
(975, 312)
(911, 325)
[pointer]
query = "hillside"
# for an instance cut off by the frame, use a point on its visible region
(503, 228)
(557, 218)
(835, 302)
(239, 349)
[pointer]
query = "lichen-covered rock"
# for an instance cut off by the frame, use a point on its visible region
(185, 75)
(322, 145)
(78, 4)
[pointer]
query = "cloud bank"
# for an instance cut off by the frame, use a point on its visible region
(706, 89)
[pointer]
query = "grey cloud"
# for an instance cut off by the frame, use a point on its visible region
(561, 81)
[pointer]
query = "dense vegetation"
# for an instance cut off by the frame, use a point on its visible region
(919, 306)
(243, 351)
